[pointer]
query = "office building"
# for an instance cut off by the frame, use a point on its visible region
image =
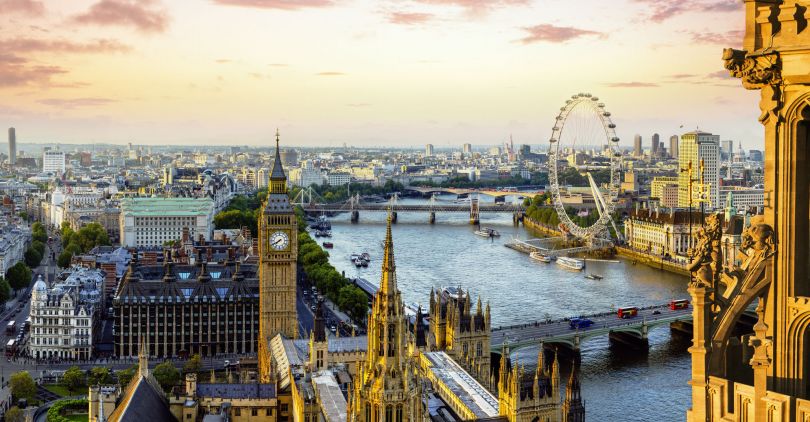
(12, 146)
(182, 309)
(755, 155)
(155, 221)
(727, 149)
(698, 147)
(654, 144)
(53, 162)
(637, 151)
(466, 149)
(429, 150)
(64, 316)
(673, 146)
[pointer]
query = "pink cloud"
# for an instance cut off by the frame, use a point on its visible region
(31, 45)
(631, 85)
(330, 73)
(660, 11)
(682, 76)
(125, 13)
(407, 18)
(555, 34)
(15, 74)
(277, 4)
(76, 102)
(729, 38)
(477, 5)
(27, 7)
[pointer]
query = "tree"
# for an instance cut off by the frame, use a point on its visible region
(22, 386)
(167, 375)
(32, 258)
(354, 301)
(19, 276)
(38, 246)
(73, 379)
(99, 375)
(63, 260)
(125, 375)
(194, 364)
(14, 414)
(5, 290)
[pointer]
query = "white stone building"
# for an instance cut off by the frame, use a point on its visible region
(64, 317)
(154, 221)
(53, 162)
(14, 240)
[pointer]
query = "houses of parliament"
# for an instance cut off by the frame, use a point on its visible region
(404, 369)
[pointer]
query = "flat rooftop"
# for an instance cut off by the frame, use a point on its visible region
(158, 207)
(454, 378)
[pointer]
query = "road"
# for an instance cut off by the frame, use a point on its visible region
(561, 328)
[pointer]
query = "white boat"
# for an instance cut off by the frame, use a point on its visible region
(540, 257)
(487, 232)
(571, 263)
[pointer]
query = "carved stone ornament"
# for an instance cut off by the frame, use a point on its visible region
(707, 257)
(758, 70)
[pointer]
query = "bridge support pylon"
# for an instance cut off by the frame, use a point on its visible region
(393, 216)
(517, 218)
(432, 217)
(630, 340)
(355, 216)
(474, 211)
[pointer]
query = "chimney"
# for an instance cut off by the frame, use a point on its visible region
(185, 235)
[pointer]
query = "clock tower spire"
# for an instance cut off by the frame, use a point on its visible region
(278, 256)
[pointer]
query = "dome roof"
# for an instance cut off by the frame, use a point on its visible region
(40, 285)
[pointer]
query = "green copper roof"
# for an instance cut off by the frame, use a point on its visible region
(173, 207)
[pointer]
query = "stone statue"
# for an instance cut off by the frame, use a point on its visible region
(757, 243)
(707, 258)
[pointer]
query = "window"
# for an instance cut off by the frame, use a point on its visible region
(237, 411)
(254, 412)
(389, 416)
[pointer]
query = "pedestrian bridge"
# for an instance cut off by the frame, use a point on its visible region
(560, 331)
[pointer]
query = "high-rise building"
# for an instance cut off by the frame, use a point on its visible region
(656, 141)
(466, 149)
(53, 162)
(387, 387)
(278, 260)
(727, 148)
(12, 146)
(673, 146)
(698, 148)
(637, 151)
(755, 155)
(429, 150)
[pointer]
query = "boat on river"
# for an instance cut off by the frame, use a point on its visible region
(537, 256)
(571, 263)
(487, 232)
(328, 245)
(592, 276)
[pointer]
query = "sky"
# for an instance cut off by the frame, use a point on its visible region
(365, 73)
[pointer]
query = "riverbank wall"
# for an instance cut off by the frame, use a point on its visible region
(652, 261)
(540, 228)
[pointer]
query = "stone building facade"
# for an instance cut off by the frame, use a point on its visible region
(772, 382)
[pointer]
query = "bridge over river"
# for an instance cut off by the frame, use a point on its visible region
(631, 330)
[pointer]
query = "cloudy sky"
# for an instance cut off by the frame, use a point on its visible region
(376, 72)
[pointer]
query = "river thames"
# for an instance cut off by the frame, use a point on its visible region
(616, 384)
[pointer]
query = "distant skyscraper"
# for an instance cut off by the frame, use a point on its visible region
(637, 146)
(467, 148)
(694, 147)
(12, 146)
(673, 146)
(656, 140)
(429, 150)
(727, 148)
(755, 155)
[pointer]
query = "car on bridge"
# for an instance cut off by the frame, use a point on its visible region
(579, 323)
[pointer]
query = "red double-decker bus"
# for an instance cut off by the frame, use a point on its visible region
(628, 312)
(678, 304)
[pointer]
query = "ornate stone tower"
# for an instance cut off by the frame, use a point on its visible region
(318, 342)
(773, 381)
(387, 386)
(573, 410)
(464, 335)
(524, 397)
(278, 256)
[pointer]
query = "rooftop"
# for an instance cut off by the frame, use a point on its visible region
(474, 396)
(237, 391)
(158, 207)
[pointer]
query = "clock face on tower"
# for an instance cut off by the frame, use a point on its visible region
(279, 241)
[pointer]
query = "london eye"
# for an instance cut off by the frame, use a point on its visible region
(583, 122)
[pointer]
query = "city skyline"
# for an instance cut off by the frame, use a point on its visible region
(365, 74)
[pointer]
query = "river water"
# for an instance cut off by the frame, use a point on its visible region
(617, 384)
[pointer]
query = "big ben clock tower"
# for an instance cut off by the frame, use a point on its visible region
(278, 256)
